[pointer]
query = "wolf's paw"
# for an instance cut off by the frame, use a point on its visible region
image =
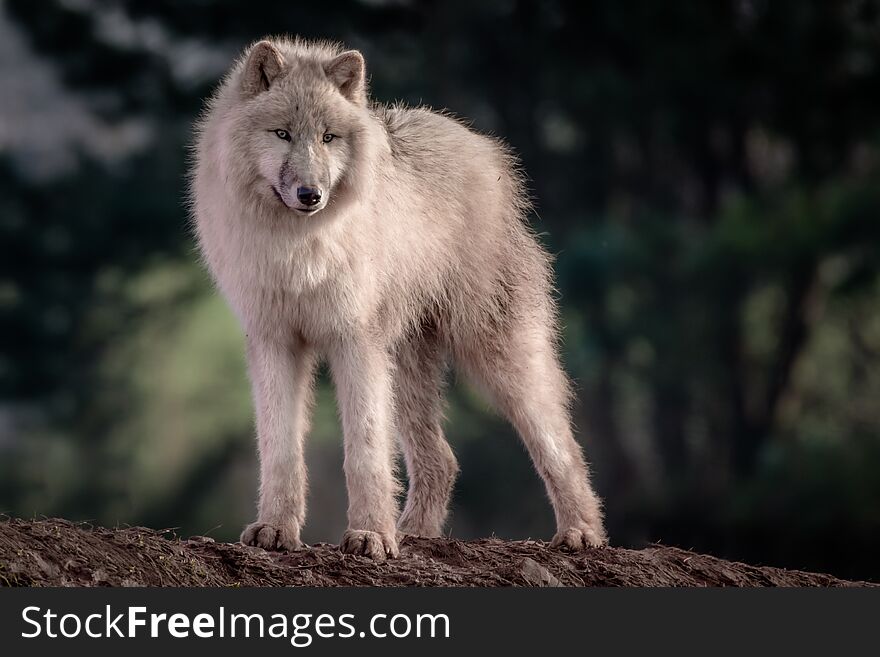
(578, 538)
(418, 527)
(374, 545)
(271, 537)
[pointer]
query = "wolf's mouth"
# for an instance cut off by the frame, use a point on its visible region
(277, 194)
(303, 210)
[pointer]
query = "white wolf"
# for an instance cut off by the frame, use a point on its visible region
(388, 240)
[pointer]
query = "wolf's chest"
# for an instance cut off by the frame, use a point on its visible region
(313, 290)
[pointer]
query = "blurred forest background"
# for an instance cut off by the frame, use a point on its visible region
(706, 172)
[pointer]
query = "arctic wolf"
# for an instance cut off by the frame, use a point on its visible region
(389, 241)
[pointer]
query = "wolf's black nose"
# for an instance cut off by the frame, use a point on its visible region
(308, 195)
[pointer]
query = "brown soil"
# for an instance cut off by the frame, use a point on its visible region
(60, 553)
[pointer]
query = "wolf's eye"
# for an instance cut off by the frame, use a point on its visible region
(282, 134)
(327, 138)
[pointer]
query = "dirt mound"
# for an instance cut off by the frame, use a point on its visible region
(60, 553)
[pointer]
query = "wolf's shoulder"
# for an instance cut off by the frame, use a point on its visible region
(399, 118)
(414, 129)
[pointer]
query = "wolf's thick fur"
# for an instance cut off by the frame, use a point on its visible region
(417, 253)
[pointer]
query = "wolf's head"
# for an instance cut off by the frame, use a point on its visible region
(303, 122)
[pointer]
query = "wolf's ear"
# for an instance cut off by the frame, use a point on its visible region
(263, 65)
(348, 72)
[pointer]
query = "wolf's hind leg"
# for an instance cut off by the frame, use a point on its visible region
(523, 377)
(430, 463)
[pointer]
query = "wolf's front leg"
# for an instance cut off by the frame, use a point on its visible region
(281, 377)
(362, 374)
